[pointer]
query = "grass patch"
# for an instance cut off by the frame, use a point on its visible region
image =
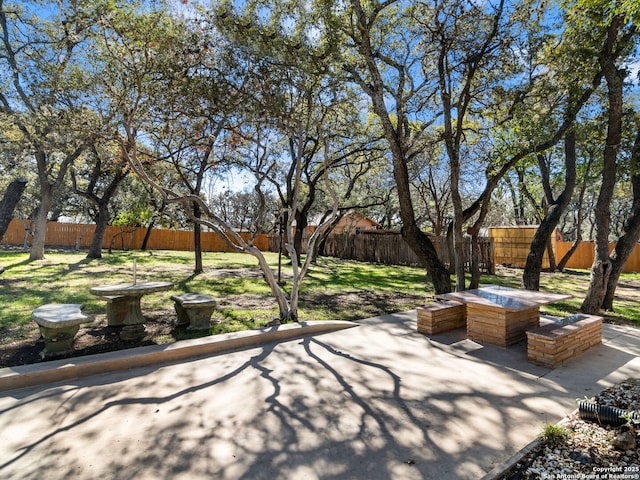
(554, 435)
(335, 275)
(332, 290)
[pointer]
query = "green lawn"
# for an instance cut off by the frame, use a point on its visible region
(333, 290)
(235, 279)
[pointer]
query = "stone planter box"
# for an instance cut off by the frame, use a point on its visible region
(441, 316)
(555, 343)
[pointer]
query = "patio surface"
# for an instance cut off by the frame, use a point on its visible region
(377, 401)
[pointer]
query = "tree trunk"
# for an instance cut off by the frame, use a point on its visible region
(518, 209)
(320, 244)
(39, 223)
(80, 237)
(551, 254)
(109, 189)
(602, 263)
(47, 196)
(288, 309)
(197, 239)
(458, 249)
(450, 257)
(398, 137)
(423, 247)
(476, 253)
(417, 240)
(147, 234)
(454, 164)
(12, 196)
(102, 219)
(627, 242)
(562, 264)
(298, 233)
(533, 266)
(475, 260)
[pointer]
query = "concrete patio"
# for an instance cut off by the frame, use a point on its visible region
(377, 401)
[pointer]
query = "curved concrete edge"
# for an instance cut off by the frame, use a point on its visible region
(65, 369)
(502, 468)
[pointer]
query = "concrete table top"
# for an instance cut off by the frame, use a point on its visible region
(131, 289)
(511, 299)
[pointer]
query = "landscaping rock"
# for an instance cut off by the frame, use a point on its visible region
(625, 441)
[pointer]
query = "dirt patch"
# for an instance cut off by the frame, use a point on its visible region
(90, 339)
(365, 303)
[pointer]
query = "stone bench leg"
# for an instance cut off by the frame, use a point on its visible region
(181, 314)
(199, 317)
(117, 308)
(57, 341)
(133, 329)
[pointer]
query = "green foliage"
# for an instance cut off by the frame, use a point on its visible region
(554, 435)
(133, 218)
(631, 419)
(606, 10)
(273, 73)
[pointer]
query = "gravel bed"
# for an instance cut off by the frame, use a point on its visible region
(589, 450)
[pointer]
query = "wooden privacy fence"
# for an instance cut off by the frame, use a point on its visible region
(512, 244)
(124, 238)
(584, 255)
(391, 249)
(370, 246)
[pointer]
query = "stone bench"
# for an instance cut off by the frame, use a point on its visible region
(441, 316)
(59, 323)
(194, 309)
(552, 344)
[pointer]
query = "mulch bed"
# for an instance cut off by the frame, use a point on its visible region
(89, 340)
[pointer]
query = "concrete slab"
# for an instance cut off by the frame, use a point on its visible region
(380, 401)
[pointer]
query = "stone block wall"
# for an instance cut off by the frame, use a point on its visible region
(441, 316)
(553, 344)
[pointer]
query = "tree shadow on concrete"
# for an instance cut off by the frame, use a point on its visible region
(316, 407)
